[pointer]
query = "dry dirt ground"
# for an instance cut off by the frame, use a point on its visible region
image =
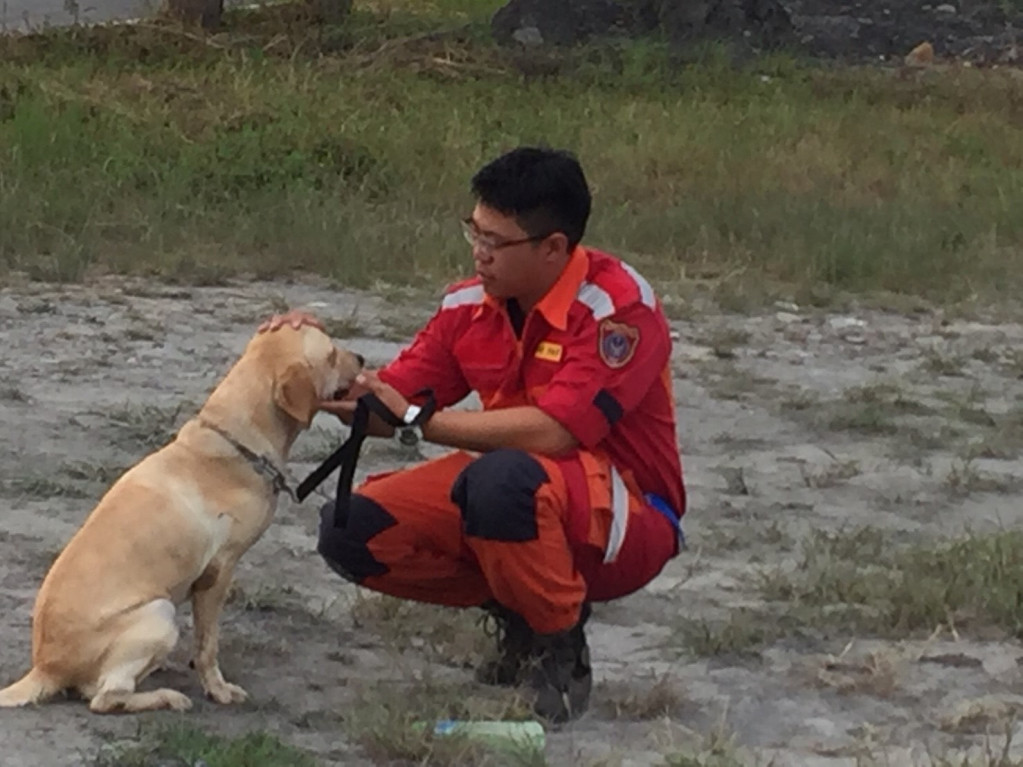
(783, 428)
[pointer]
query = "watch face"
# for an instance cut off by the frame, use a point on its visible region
(412, 413)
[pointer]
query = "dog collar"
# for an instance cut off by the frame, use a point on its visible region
(260, 463)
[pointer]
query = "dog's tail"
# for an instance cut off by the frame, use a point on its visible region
(34, 687)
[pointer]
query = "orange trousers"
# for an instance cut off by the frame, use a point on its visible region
(538, 535)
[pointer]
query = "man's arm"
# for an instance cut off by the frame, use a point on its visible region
(524, 428)
(608, 372)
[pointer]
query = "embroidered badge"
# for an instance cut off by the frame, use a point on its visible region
(548, 351)
(618, 343)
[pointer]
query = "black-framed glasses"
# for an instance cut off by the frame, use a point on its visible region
(488, 243)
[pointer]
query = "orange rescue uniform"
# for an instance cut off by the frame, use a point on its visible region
(539, 534)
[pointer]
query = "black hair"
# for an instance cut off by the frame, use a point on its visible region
(544, 189)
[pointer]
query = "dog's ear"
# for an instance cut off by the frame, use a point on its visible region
(295, 393)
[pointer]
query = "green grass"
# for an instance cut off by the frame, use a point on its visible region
(274, 147)
(44, 486)
(391, 725)
(146, 426)
(873, 410)
(643, 699)
(712, 758)
(446, 635)
(187, 744)
(716, 748)
(858, 581)
(742, 634)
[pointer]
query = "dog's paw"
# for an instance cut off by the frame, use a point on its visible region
(176, 701)
(225, 693)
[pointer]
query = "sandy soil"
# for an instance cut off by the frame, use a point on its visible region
(93, 377)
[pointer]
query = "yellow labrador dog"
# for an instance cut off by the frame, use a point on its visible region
(172, 528)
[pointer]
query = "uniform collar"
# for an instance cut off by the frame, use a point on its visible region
(558, 300)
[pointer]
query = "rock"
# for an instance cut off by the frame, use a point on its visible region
(556, 22)
(764, 23)
(822, 727)
(528, 36)
(845, 323)
(838, 29)
(921, 56)
(848, 31)
(767, 21)
(330, 11)
(849, 329)
(205, 13)
(694, 353)
(824, 31)
(787, 318)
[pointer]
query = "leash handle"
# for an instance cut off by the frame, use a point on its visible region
(347, 455)
(360, 427)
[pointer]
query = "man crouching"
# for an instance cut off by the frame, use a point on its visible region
(567, 487)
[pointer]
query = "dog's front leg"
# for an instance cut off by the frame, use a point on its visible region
(208, 596)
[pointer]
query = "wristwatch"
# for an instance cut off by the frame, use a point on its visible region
(411, 433)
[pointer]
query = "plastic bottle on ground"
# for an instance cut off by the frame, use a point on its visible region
(528, 735)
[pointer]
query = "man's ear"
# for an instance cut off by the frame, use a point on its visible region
(557, 246)
(295, 393)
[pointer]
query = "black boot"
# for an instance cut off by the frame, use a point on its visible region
(561, 677)
(514, 648)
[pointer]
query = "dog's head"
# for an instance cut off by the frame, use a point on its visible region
(307, 369)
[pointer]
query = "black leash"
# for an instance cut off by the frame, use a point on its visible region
(347, 456)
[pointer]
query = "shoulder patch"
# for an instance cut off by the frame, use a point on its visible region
(618, 343)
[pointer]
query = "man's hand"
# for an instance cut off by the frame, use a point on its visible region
(296, 318)
(344, 408)
(366, 382)
(391, 397)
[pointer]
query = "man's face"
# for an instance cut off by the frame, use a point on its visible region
(509, 262)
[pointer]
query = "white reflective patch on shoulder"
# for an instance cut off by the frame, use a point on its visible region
(597, 299)
(463, 297)
(646, 293)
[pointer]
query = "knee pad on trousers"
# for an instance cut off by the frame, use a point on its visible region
(343, 546)
(497, 495)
